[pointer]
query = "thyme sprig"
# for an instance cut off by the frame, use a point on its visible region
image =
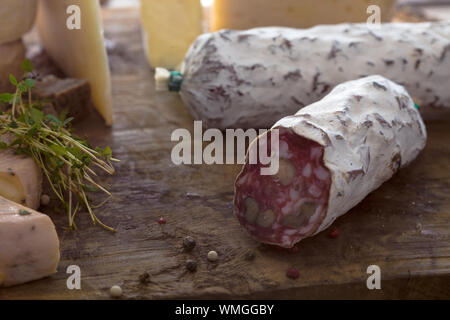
(66, 160)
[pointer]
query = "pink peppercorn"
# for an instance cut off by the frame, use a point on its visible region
(162, 220)
(334, 233)
(294, 249)
(293, 273)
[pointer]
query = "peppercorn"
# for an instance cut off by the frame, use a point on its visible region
(115, 291)
(144, 278)
(334, 233)
(213, 256)
(188, 243)
(191, 265)
(45, 199)
(293, 273)
(162, 220)
(249, 255)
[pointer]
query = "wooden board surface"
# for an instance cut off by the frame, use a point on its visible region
(197, 201)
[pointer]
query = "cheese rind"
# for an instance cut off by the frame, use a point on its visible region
(246, 14)
(11, 56)
(29, 245)
(80, 53)
(20, 179)
(169, 27)
(16, 18)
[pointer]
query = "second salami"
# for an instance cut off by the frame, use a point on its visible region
(251, 78)
(331, 155)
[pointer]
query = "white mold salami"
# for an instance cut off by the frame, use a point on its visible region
(249, 79)
(342, 148)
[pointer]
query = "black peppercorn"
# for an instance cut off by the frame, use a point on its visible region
(249, 256)
(188, 244)
(144, 278)
(191, 265)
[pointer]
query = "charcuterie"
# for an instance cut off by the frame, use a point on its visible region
(249, 79)
(331, 155)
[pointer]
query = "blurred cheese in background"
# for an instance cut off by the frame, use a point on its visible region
(169, 27)
(16, 18)
(11, 56)
(246, 14)
(79, 53)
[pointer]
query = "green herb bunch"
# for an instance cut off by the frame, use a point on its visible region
(65, 159)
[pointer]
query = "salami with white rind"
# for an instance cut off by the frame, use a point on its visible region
(248, 79)
(332, 154)
(29, 245)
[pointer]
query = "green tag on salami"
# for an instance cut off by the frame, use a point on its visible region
(417, 106)
(176, 79)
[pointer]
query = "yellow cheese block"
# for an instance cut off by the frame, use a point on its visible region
(16, 18)
(80, 53)
(169, 27)
(246, 14)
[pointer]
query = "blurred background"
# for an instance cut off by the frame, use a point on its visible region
(431, 9)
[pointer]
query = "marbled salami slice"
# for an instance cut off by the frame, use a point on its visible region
(331, 155)
(283, 208)
(249, 79)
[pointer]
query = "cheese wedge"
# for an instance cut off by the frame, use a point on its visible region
(246, 14)
(80, 53)
(29, 245)
(20, 179)
(169, 27)
(11, 56)
(16, 18)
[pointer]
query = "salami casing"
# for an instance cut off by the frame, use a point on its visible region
(331, 155)
(248, 79)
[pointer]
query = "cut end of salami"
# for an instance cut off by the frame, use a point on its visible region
(284, 208)
(332, 154)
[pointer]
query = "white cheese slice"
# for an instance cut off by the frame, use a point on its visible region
(16, 18)
(169, 27)
(20, 179)
(80, 53)
(29, 245)
(11, 56)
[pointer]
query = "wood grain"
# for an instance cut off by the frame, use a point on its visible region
(196, 201)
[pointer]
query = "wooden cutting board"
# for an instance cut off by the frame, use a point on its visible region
(196, 200)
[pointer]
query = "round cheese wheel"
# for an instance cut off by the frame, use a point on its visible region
(16, 18)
